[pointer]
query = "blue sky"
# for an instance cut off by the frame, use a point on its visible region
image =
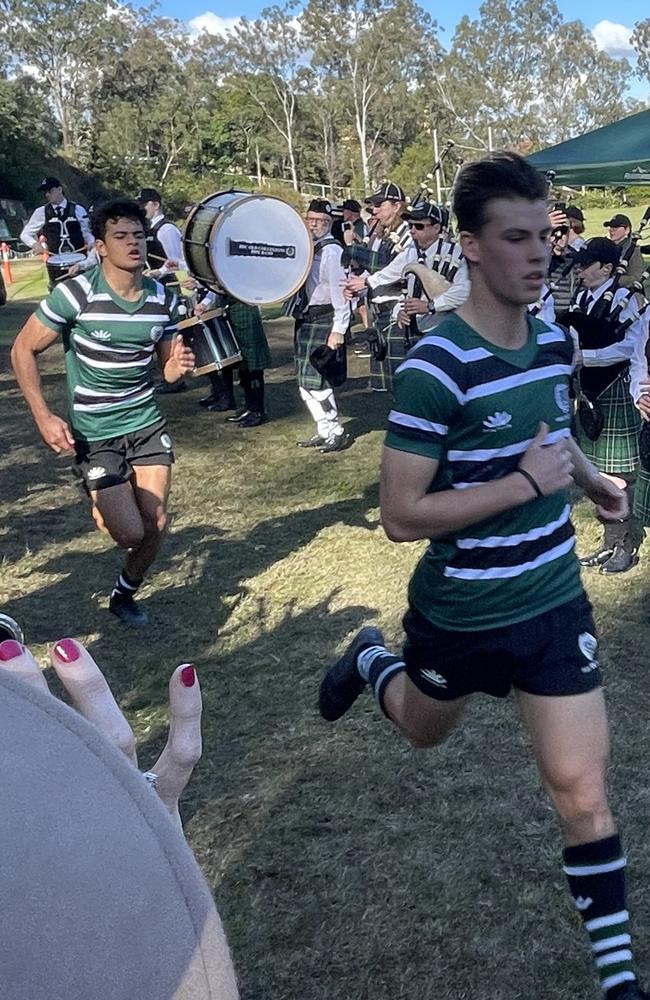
(611, 23)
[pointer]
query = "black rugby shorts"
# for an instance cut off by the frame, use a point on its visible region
(107, 463)
(552, 654)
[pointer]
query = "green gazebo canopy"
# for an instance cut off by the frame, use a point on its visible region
(616, 155)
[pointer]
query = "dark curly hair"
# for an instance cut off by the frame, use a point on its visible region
(111, 212)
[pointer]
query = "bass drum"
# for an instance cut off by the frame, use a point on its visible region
(251, 246)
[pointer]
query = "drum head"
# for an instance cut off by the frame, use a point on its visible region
(260, 249)
(65, 259)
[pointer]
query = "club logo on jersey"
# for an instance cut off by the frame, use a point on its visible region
(166, 441)
(96, 472)
(499, 421)
(156, 333)
(434, 678)
(588, 645)
(582, 903)
(562, 401)
(100, 334)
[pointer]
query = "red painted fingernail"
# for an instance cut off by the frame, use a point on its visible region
(67, 650)
(10, 649)
(188, 676)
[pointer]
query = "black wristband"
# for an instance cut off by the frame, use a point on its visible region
(531, 480)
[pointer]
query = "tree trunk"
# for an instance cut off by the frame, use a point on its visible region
(258, 162)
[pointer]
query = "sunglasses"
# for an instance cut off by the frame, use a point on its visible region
(418, 225)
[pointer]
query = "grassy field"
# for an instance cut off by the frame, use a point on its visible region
(345, 865)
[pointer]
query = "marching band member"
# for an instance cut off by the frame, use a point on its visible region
(425, 303)
(603, 384)
(246, 322)
(322, 318)
(620, 233)
(64, 225)
(392, 252)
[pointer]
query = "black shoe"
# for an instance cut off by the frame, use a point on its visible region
(169, 388)
(222, 404)
(342, 684)
(234, 418)
(338, 442)
(596, 558)
(127, 610)
(207, 401)
(313, 442)
(620, 562)
(252, 419)
(627, 991)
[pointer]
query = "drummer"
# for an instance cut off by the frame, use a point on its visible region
(65, 226)
(246, 321)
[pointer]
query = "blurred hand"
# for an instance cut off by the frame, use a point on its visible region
(56, 433)
(557, 219)
(643, 402)
(611, 501)
(416, 307)
(91, 696)
(182, 356)
(335, 340)
(550, 465)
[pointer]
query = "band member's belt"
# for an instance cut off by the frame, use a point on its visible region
(313, 311)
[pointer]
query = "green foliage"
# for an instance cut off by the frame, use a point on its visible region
(342, 93)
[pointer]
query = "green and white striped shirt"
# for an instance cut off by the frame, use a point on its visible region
(110, 347)
(475, 408)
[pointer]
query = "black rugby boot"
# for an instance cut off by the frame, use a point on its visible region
(342, 684)
(126, 609)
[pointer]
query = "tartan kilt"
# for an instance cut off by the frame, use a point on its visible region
(617, 447)
(382, 373)
(247, 324)
(311, 332)
(641, 504)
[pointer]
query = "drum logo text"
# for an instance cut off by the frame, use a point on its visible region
(245, 248)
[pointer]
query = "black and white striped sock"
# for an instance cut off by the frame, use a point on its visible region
(596, 876)
(125, 586)
(377, 666)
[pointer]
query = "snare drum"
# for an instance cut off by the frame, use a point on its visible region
(65, 259)
(252, 246)
(211, 339)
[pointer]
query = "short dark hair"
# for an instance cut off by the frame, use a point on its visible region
(500, 175)
(111, 212)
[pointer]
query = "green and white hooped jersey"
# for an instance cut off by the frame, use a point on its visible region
(110, 348)
(475, 408)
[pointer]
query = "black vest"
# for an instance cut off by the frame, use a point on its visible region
(155, 250)
(62, 234)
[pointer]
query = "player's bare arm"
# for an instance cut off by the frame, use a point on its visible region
(34, 338)
(410, 511)
(611, 502)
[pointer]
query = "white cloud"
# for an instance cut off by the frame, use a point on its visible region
(213, 23)
(612, 38)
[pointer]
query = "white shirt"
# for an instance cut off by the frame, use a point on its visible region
(545, 306)
(391, 274)
(456, 294)
(37, 221)
(171, 239)
(324, 286)
(622, 351)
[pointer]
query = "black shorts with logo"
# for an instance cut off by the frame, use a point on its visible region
(552, 654)
(108, 463)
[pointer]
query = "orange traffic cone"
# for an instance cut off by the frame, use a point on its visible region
(6, 265)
